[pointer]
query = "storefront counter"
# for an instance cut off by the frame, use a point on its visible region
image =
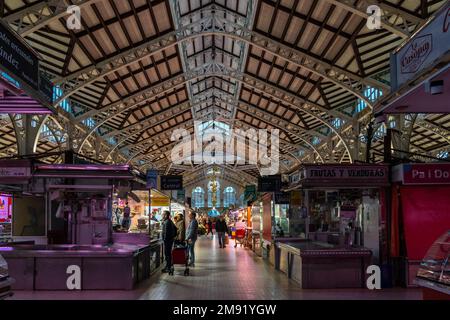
(131, 238)
(48, 267)
(317, 265)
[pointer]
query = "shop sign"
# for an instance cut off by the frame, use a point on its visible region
(171, 182)
(282, 198)
(429, 173)
(17, 59)
(269, 183)
(428, 45)
(12, 172)
(352, 172)
(152, 179)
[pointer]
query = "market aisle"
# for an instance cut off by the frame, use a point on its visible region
(223, 274)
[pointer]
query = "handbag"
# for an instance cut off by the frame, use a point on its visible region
(227, 240)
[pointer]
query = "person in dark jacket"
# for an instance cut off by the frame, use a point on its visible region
(221, 229)
(169, 232)
(191, 237)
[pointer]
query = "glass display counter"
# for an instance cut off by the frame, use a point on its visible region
(434, 271)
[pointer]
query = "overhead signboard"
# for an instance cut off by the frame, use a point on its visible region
(422, 50)
(344, 176)
(345, 172)
(171, 182)
(15, 172)
(269, 183)
(152, 179)
(282, 198)
(17, 59)
(426, 173)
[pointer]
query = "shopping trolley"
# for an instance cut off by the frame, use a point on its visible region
(240, 237)
(180, 257)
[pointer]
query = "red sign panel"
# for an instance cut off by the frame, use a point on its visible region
(429, 173)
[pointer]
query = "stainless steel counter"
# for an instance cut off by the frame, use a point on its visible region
(47, 267)
(323, 265)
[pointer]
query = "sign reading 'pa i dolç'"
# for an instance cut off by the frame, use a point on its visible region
(17, 59)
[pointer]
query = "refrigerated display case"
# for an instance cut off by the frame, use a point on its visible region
(434, 271)
(5, 280)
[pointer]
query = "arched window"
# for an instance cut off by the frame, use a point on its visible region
(229, 197)
(198, 197)
(210, 204)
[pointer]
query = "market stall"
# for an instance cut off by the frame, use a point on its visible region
(69, 206)
(345, 210)
(420, 202)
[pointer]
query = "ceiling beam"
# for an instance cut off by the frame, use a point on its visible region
(212, 25)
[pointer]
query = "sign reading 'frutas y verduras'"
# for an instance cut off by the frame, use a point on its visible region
(17, 60)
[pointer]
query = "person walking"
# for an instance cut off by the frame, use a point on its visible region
(169, 232)
(181, 229)
(221, 228)
(191, 237)
(210, 227)
(126, 221)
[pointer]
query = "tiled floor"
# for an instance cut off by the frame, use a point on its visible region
(225, 274)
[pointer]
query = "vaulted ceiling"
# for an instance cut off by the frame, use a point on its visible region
(138, 69)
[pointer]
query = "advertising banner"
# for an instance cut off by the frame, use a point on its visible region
(17, 59)
(419, 53)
